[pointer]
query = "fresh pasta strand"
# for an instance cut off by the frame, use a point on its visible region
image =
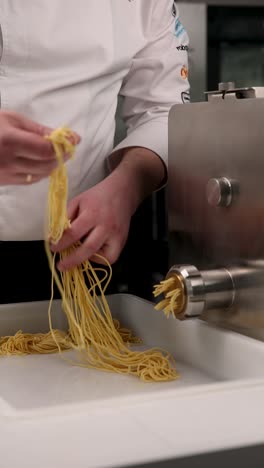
(173, 297)
(101, 341)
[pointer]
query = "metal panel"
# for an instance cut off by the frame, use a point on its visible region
(216, 196)
(210, 141)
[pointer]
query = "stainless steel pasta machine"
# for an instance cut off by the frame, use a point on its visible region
(216, 206)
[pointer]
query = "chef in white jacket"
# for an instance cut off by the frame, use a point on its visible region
(64, 62)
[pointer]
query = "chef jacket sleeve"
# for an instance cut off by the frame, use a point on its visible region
(158, 79)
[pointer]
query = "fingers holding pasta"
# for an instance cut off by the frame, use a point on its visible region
(26, 156)
(100, 220)
(90, 246)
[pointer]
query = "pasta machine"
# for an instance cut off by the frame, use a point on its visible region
(216, 207)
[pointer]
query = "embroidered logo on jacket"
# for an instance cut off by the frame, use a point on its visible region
(184, 73)
(182, 48)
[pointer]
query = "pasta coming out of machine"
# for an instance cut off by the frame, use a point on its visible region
(216, 210)
(188, 292)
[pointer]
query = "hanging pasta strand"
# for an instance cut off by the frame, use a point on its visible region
(91, 326)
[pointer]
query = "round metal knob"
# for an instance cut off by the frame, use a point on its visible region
(219, 192)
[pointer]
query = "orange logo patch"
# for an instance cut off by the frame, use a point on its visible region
(184, 72)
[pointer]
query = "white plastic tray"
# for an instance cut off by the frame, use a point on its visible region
(56, 415)
(204, 355)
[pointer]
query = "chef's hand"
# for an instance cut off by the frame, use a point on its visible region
(25, 155)
(100, 218)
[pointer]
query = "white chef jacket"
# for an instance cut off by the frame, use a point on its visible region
(64, 62)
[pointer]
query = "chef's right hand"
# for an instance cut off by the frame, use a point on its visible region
(25, 155)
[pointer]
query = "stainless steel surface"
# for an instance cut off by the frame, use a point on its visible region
(219, 289)
(211, 141)
(216, 201)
